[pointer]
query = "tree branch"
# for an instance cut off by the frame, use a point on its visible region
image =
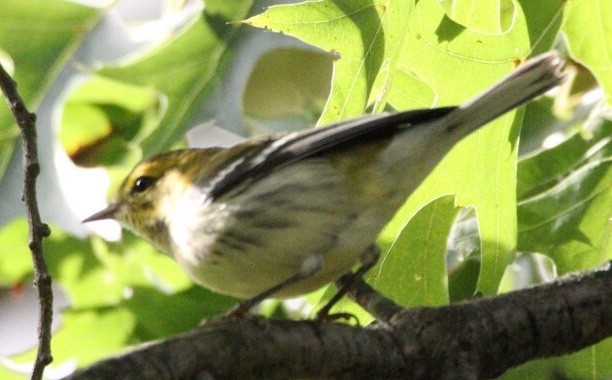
(480, 338)
(37, 230)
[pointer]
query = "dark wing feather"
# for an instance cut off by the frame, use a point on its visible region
(274, 153)
(534, 77)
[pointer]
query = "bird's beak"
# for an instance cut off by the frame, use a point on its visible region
(108, 213)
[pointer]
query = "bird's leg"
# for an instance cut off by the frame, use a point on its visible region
(310, 266)
(368, 259)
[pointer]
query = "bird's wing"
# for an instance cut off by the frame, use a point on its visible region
(269, 154)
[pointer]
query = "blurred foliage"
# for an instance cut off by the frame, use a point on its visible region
(37, 34)
(457, 234)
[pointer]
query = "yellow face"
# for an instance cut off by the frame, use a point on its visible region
(143, 194)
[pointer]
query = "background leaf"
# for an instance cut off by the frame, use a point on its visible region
(571, 221)
(490, 17)
(587, 25)
(363, 36)
(421, 61)
(417, 258)
(37, 34)
(183, 70)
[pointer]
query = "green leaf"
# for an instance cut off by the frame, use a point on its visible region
(183, 70)
(590, 363)
(489, 188)
(364, 36)
(37, 37)
(409, 91)
(434, 53)
(83, 267)
(587, 25)
(301, 81)
(540, 123)
(15, 263)
(417, 258)
(182, 311)
(108, 331)
(571, 221)
(484, 16)
(458, 64)
(542, 170)
(102, 118)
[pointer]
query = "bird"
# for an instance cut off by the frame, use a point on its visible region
(284, 214)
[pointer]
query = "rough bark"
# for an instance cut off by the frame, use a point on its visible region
(480, 338)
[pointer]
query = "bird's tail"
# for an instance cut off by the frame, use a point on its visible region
(533, 78)
(433, 134)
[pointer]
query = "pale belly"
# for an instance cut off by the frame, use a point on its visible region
(244, 250)
(247, 270)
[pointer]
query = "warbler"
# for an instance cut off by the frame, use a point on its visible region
(282, 215)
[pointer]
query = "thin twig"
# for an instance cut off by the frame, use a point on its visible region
(37, 230)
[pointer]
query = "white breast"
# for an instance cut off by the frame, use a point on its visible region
(248, 242)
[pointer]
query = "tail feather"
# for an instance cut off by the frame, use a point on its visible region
(423, 145)
(533, 78)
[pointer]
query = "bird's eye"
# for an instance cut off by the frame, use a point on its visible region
(143, 183)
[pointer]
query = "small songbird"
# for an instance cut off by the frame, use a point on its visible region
(282, 215)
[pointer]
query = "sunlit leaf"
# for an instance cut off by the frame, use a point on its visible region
(106, 116)
(363, 37)
(435, 53)
(485, 16)
(302, 82)
(413, 271)
(458, 63)
(587, 25)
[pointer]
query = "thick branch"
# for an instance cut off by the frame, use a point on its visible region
(485, 337)
(481, 338)
(37, 229)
